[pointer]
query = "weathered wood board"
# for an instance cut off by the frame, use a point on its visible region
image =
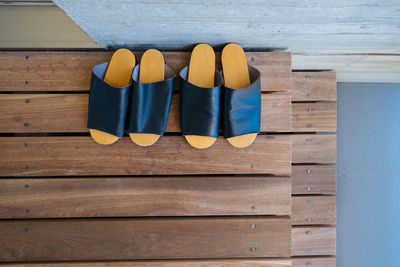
(70, 71)
(311, 148)
(313, 241)
(174, 263)
(314, 117)
(55, 156)
(314, 179)
(144, 239)
(309, 210)
(65, 198)
(144, 196)
(41, 113)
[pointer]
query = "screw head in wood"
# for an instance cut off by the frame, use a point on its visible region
(308, 188)
(309, 109)
(308, 233)
(308, 219)
(253, 226)
(309, 125)
(308, 139)
(308, 170)
(26, 57)
(253, 249)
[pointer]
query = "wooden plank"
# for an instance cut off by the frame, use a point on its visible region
(314, 179)
(116, 197)
(164, 238)
(313, 86)
(313, 261)
(314, 117)
(71, 71)
(353, 67)
(309, 210)
(27, 113)
(172, 263)
(55, 156)
(307, 241)
(312, 148)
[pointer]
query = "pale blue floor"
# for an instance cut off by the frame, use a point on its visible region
(368, 227)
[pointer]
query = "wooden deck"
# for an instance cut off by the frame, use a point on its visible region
(66, 200)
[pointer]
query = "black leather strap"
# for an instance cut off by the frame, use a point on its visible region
(199, 107)
(242, 107)
(150, 103)
(107, 104)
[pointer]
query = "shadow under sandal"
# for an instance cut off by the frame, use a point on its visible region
(107, 107)
(199, 107)
(242, 109)
(149, 106)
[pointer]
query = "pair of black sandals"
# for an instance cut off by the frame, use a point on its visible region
(136, 100)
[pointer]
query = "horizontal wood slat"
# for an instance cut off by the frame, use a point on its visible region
(24, 113)
(173, 263)
(311, 148)
(150, 196)
(71, 71)
(314, 241)
(55, 156)
(144, 239)
(314, 179)
(318, 262)
(314, 117)
(309, 210)
(314, 86)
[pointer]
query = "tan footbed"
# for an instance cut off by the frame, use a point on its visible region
(236, 76)
(118, 74)
(201, 73)
(151, 71)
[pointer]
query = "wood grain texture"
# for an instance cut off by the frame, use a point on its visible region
(307, 241)
(28, 113)
(314, 117)
(150, 196)
(353, 67)
(144, 239)
(311, 148)
(55, 156)
(314, 86)
(310, 261)
(309, 210)
(314, 179)
(71, 71)
(172, 263)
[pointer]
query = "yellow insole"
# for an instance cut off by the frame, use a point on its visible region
(201, 73)
(118, 74)
(236, 76)
(151, 71)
